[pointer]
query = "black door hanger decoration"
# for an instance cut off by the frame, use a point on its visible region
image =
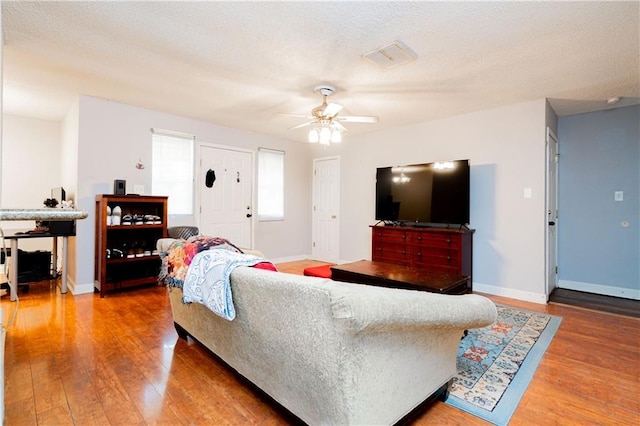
(210, 178)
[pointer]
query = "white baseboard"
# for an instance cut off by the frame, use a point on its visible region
(290, 258)
(627, 293)
(510, 293)
(74, 289)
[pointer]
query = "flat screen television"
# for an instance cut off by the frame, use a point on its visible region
(424, 194)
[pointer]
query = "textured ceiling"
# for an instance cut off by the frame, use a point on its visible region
(238, 64)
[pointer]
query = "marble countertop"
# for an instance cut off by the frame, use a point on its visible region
(42, 214)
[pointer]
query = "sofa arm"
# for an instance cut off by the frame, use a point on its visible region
(163, 244)
(367, 308)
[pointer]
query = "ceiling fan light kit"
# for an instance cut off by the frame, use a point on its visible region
(327, 128)
(325, 135)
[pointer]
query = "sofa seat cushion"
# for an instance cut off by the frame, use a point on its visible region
(322, 271)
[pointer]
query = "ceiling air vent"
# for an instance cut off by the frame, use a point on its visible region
(391, 55)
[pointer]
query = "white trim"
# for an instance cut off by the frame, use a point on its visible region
(550, 286)
(173, 133)
(74, 289)
(527, 296)
(290, 258)
(606, 290)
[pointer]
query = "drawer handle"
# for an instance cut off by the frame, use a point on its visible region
(404, 237)
(449, 258)
(419, 238)
(448, 240)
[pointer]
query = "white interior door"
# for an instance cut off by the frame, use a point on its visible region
(326, 208)
(225, 208)
(552, 213)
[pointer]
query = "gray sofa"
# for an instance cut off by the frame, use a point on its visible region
(336, 353)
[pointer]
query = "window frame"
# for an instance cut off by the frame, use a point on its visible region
(186, 184)
(276, 184)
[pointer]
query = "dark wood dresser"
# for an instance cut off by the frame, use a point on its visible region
(432, 249)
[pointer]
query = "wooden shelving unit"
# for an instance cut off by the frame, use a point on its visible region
(126, 255)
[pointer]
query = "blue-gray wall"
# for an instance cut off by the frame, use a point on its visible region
(600, 154)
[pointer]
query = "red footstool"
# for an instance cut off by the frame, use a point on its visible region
(322, 271)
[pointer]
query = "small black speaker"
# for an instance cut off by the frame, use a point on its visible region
(119, 187)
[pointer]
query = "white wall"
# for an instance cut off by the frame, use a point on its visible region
(505, 146)
(69, 179)
(30, 168)
(506, 149)
(112, 137)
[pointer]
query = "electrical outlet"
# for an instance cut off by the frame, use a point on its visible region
(138, 189)
(618, 196)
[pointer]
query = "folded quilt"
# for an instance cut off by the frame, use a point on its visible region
(208, 279)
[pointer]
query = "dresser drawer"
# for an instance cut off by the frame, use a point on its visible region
(391, 236)
(436, 258)
(391, 256)
(436, 240)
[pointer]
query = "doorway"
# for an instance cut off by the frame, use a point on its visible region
(551, 237)
(225, 193)
(325, 210)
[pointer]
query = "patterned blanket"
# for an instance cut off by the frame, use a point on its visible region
(201, 267)
(180, 254)
(207, 281)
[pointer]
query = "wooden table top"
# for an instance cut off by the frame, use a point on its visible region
(403, 276)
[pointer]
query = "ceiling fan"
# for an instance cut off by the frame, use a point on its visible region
(326, 122)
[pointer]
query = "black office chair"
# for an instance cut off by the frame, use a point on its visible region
(182, 232)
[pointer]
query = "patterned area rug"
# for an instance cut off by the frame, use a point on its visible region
(496, 363)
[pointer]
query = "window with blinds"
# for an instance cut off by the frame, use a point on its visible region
(172, 170)
(270, 184)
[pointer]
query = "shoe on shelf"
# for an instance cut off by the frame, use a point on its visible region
(127, 219)
(138, 219)
(116, 215)
(109, 218)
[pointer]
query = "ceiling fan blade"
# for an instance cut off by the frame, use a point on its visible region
(339, 126)
(302, 125)
(357, 119)
(307, 116)
(331, 110)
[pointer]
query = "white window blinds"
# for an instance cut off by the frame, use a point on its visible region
(270, 184)
(172, 169)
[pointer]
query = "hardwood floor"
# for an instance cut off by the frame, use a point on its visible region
(82, 360)
(614, 305)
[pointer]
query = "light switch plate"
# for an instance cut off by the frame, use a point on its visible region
(138, 189)
(618, 196)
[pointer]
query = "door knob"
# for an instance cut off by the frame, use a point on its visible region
(249, 215)
(551, 223)
(333, 216)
